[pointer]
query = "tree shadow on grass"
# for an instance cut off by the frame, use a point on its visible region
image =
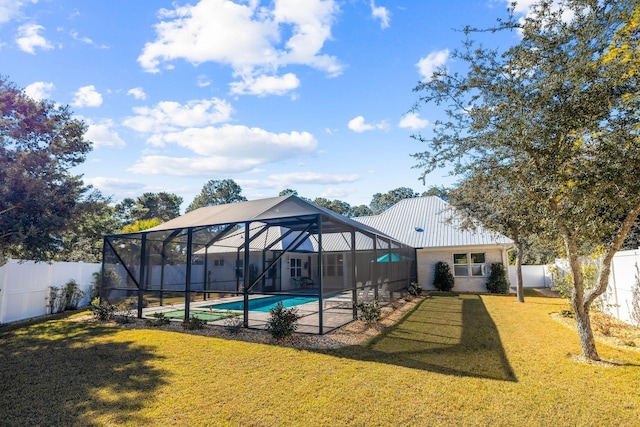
(68, 373)
(448, 334)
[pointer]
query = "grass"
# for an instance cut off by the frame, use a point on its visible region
(453, 360)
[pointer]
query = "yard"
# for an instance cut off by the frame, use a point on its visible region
(454, 360)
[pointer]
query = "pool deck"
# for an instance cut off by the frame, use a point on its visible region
(334, 315)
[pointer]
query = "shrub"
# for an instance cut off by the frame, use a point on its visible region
(283, 321)
(53, 303)
(369, 311)
(126, 310)
(159, 319)
(70, 295)
(102, 311)
(233, 322)
(497, 281)
(414, 289)
(443, 279)
(194, 323)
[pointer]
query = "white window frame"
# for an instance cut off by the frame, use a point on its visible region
(295, 267)
(471, 269)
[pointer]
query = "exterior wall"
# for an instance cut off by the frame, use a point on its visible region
(427, 259)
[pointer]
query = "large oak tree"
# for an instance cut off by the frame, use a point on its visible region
(557, 117)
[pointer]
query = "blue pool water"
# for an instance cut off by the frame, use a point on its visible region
(264, 304)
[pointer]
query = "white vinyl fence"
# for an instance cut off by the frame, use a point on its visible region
(622, 298)
(24, 286)
(533, 276)
(623, 294)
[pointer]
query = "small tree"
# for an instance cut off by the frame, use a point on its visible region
(443, 279)
(497, 282)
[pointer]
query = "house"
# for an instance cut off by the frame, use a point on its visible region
(430, 225)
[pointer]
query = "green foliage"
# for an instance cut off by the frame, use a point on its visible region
(414, 289)
(161, 206)
(141, 225)
(442, 278)
(497, 281)
(381, 202)
(70, 295)
(193, 323)
(159, 319)
(53, 299)
(554, 118)
(283, 321)
(217, 192)
(102, 311)
(233, 322)
(369, 311)
(40, 144)
(563, 280)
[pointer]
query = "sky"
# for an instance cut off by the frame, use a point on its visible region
(311, 95)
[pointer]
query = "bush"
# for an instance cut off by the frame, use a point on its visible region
(233, 322)
(497, 282)
(70, 295)
(443, 279)
(53, 302)
(283, 321)
(194, 323)
(369, 311)
(414, 289)
(159, 319)
(102, 311)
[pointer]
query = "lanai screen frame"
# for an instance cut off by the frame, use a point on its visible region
(130, 256)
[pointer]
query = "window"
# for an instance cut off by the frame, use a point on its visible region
(218, 263)
(477, 264)
(465, 263)
(333, 265)
(460, 265)
(295, 266)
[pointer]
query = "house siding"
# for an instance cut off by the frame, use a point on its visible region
(427, 259)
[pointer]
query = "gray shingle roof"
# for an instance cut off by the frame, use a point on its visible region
(436, 218)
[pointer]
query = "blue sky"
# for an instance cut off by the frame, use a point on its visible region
(305, 94)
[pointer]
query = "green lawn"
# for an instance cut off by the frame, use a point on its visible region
(454, 360)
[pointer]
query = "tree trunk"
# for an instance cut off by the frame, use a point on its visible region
(583, 324)
(519, 257)
(581, 310)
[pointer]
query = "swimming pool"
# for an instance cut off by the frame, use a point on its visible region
(264, 304)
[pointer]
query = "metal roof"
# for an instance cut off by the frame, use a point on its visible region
(439, 224)
(284, 211)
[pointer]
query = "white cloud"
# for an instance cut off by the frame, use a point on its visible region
(84, 39)
(203, 81)
(381, 13)
(413, 121)
(266, 85)
(271, 37)
(137, 93)
(108, 186)
(358, 124)
(217, 149)
(170, 115)
(242, 142)
(87, 96)
(102, 135)
(429, 64)
(336, 193)
(39, 90)
(191, 166)
(279, 181)
(10, 9)
(29, 38)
